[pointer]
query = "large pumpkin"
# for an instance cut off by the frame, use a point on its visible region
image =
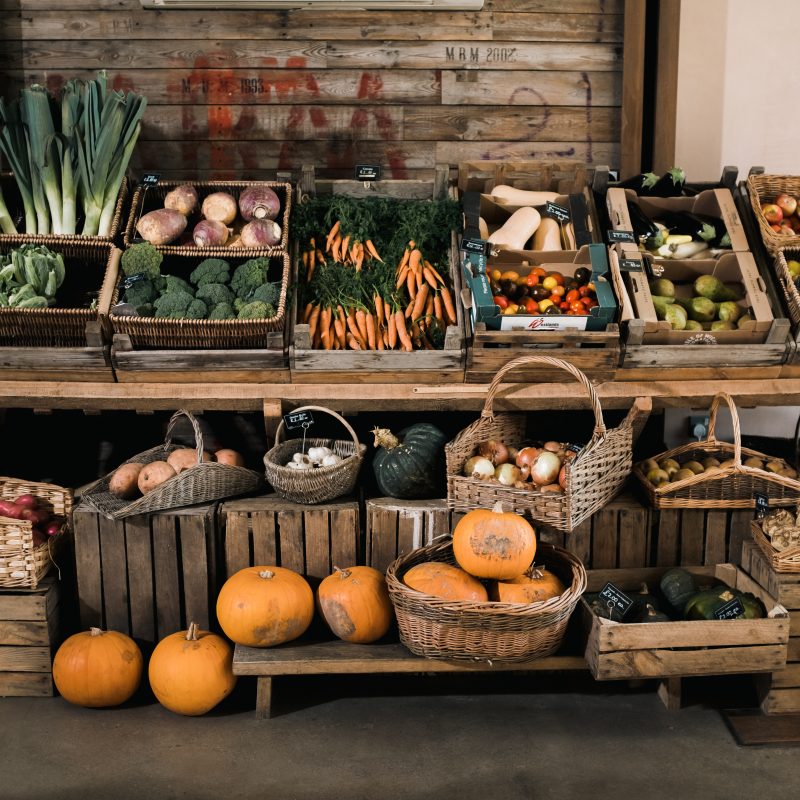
(97, 668)
(355, 604)
(265, 606)
(494, 544)
(443, 580)
(409, 466)
(533, 586)
(191, 671)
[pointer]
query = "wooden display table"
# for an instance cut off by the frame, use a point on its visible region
(340, 658)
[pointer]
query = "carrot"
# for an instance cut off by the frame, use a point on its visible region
(354, 251)
(412, 244)
(361, 322)
(415, 259)
(335, 247)
(371, 338)
(353, 327)
(449, 308)
(435, 273)
(320, 256)
(429, 306)
(419, 302)
(404, 259)
(305, 259)
(343, 250)
(339, 329)
(420, 281)
(430, 278)
(359, 257)
(402, 333)
(391, 333)
(307, 312)
(411, 283)
(334, 230)
(379, 334)
(401, 277)
(437, 308)
(409, 309)
(325, 328)
(312, 322)
(353, 342)
(372, 251)
(379, 308)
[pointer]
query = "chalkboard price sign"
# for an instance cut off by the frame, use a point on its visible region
(298, 419)
(616, 598)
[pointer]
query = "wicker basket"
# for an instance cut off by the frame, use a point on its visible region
(319, 484)
(472, 631)
(22, 563)
(594, 476)
(153, 198)
(784, 254)
(728, 487)
(784, 561)
(764, 189)
(203, 483)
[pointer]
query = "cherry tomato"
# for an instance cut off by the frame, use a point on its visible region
(531, 306)
(588, 301)
(572, 295)
(584, 291)
(560, 291)
(501, 300)
(545, 304)
(554, 298)
(496, 274)
(510, 275)
(593, 304)
(577, 307)
(558, 277)
(513, 308)
(542, 273)
(564, 306)
(532, 279)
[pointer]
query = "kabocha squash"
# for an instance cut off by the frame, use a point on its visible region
(265, 606)
(705, 604)
(494, 544)
(534, 586)
(409, 466)
(355, 604)
(678, 585)
(191, 671)
(651, 614)
(97, 669)
(443, 580)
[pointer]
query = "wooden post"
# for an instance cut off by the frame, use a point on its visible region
(669, 19)
(669, 692)
(273, 412)
(263, 697)
(632, 87)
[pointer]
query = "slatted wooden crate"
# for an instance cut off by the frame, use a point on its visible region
(29, 631)
(148, 575)
(780, 692)
(308, 539)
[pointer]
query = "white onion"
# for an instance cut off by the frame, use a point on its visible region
(507, 474)
(479, 467)
(544, 469)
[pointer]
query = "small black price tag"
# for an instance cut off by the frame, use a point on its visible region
(473, 246)
(762, 504)
(576, 448)
(132, 280)
(556, 212)
(630, 265)
(368, 172)
(620, 237)
(731, 610)
(298, 419)
(151, 179)
(616, 598)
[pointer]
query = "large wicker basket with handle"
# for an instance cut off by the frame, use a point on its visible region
(483, 631)
(593, 477)
(732, 486)
(203, 483)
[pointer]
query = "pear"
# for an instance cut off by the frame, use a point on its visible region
(657, 477)
(757, 463)
(695, 466)
(710, 461)
(775, 466)
(682, 475)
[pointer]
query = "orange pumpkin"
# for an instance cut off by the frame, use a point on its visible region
(494, 544)
(355, 604)
(265, 606)
(192, 671)
(534, 586)
(446, 581)
(97, 668)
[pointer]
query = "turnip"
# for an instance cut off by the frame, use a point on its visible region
(162, 226)
(210, 233)
(221, 207)
(260, 233)
(182, 198)
(259, 202)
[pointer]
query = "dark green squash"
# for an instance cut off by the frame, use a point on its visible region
(643, 598)
(603, 609)
(409, 466)
(650, 614)
(704, 604)
(677, 586)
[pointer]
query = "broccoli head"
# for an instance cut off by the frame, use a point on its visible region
(172, 283)
(249, 276)
(212, 270)
(142, 259)
(173, 304)
(141, 294)
(268, 293)
(197, 310)
(256, 310)
(212, 294)
(222, 311)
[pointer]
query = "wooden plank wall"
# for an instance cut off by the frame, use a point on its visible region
(245, 93)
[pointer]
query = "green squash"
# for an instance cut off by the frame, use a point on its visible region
(704, 604)
(642, 599)
(601, 608)
(678, 585)
(409, 466)
(650, 614)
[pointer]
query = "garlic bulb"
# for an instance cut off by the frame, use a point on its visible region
(330, 460)
(299, 465)
(316, 454)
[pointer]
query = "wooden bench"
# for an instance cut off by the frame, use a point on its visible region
(337, 658)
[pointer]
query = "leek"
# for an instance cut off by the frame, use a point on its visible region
(6, 223)
(14, 146)
(71, 99)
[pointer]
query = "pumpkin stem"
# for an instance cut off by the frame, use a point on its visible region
(95, 631)
(726, 595)
(385, 438)
(191, 634)
(498, 508)
(343, 573)
(266, 573)
(643, 588)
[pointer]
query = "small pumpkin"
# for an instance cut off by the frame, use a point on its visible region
(651, 614)
(355, 604)
(191, 671)
(409, 466)
(533, 586)
(97, 668)
(494, 544)
(704, 604)
(265, 606)
(443, 580)
(678, 585)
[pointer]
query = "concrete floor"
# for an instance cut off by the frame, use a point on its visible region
(403, 738)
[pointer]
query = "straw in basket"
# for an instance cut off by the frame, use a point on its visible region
(319, 484)
(594, 476)
(732, 486)
(786, 560)
(203, 483)
(483, 631)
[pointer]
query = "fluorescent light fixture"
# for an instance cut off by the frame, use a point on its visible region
(322, 5)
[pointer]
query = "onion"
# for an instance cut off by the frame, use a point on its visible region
(527, 456)
(182, 198)
(5, 507)
(259, 202)
(479, 467)
(525, 472)
(36, 516)
(210, 233)
(13, 511)
(512, 454)
(221, 207)
(495, 451)
(27, 501)
(330, 460)
(553, 447)
(552, 488)
(562, 477)
(318, 453)
(261, 233)
(53, 528)
(507, 474)
(544, 469)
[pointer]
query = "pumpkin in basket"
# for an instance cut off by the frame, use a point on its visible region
(534, 586)
(440, 579)
(494, 544)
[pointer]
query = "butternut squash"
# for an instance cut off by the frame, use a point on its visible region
(568, 236)
(548, 235)
(517, 230)
(483, 228)
(521, 197)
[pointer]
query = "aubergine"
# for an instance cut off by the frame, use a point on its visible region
(641, 184)
(643, 227)
(701, 227)
(670, 184)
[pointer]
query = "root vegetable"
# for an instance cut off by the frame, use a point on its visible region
(53, 528)
(162, 226)
(479, 467)
(229, 457)
(124, 482)
(259, 202)
(507, 474)
(545, 468)
(210, 233)
(261, 233)
(185, 458)
(221, 207)
(27, 501)
(153, 475)
(182, 198)
(495, 451)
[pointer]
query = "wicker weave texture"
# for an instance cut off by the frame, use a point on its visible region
(784, 561)
(472, 631)
(22, 563)
(203, 483)
(786, 280)
(764, 189)
(594, 476)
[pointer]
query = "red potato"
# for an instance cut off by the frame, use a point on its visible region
(153, 475)
(124, 482)
(230, 457)
(186, 458)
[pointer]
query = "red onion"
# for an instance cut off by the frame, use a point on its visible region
(53, 528)
(13, 511)
(260, 233)
(27, 501)
(495, 451)
(259, 202)
(182, 198)
(221, 207)
(5, 507)
(210, 233)
(544, 469)
(36, 516)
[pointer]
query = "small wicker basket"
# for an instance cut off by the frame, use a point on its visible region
(483, 631)
(594, 476)
(203, 483)
(764, 189)
(728, 487)
(22, 563)
(784, 561)
(319, 484)
(790, 292)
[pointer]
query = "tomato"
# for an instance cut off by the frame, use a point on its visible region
(564, 306)
(545, 304)
(539, 271)
(513, 308)
(550, 283)
(577, 307)
(501, 300)
(510, 275)
(560, 291)
(584, 291)
(532, 280)
(572, 295)
(496, 275)
(557, 276)
(531, 306)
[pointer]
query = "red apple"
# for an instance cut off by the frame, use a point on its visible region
(776, 228)
(786, 203)
(786, 230)
(27, 501)
(772, 213)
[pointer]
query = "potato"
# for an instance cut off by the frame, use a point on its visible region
(153, 475)
(162, 226)
(186, 458)
(230, 457)
(123, 482)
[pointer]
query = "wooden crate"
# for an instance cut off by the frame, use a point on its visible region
(595, 353)
(779, 692)
(29, 631)
(618, 651)
(310, 540)
(148, 575)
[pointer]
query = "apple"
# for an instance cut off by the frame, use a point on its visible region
(772, 213)
(786, 203)
(785, 230)
(776, 228)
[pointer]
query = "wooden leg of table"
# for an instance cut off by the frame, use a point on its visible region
(669, 691)
(273, 413)
(263, 697)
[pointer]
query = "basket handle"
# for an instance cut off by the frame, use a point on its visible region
(488, 410)
(279, 431)
(737, 430)
(198, 434)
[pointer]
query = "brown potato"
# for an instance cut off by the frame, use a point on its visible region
(153, 475)
(186, 458)
(230, 457)
(123, 482)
